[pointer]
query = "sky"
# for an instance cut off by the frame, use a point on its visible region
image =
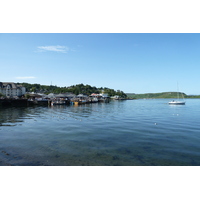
(131, 62)
(134, 46)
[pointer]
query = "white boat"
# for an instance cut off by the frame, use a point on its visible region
(58, 102)
(95, 100)
(177, 102)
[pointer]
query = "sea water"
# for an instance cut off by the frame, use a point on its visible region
(120, 133)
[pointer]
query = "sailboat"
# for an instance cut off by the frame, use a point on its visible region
(177, 102)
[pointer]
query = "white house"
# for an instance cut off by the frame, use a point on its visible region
(10, 89)
(104, 95)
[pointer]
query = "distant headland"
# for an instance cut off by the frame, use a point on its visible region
(162, 95)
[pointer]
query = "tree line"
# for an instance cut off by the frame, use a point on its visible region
(75, 89)
(162, 95)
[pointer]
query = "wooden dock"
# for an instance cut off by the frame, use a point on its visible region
(45, 102)
(13, 102)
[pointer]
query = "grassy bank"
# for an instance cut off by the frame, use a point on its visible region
(162, 95)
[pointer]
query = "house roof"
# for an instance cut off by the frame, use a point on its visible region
(81, 95)
(13, 85)
(51, 95)
(35, 95)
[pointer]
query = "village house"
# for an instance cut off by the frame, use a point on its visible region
(10, 89)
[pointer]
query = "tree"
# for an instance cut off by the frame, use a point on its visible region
(27, 96)
(1, 95)
(33, 89)
(76, 89)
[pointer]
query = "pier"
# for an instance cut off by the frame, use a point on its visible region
(50, 102)
(14, 102)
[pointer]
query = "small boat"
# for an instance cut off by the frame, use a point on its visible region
(177, 102)
(95, 100)
(76, 103)
(58, 102)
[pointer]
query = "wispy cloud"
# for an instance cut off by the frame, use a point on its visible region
(25, 77)
(57, 48)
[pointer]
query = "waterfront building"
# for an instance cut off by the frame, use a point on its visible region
(10, 89)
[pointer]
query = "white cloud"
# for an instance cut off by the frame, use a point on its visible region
(57, 48)
(25, 77)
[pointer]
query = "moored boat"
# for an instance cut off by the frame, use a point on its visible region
(58, 102)
(177, 102)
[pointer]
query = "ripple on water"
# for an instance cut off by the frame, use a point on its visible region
(119, 133)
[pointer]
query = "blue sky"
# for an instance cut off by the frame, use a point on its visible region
(131, 62)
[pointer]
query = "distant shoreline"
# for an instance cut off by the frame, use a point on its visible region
(162, 95)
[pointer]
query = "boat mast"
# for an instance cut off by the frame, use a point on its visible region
(177, 91)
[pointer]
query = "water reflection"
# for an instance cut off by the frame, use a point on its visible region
(10, 116)
(119, 133)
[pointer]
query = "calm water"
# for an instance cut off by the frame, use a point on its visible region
(128, 133)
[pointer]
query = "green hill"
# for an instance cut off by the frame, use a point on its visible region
(161, 95)
(76, 89)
